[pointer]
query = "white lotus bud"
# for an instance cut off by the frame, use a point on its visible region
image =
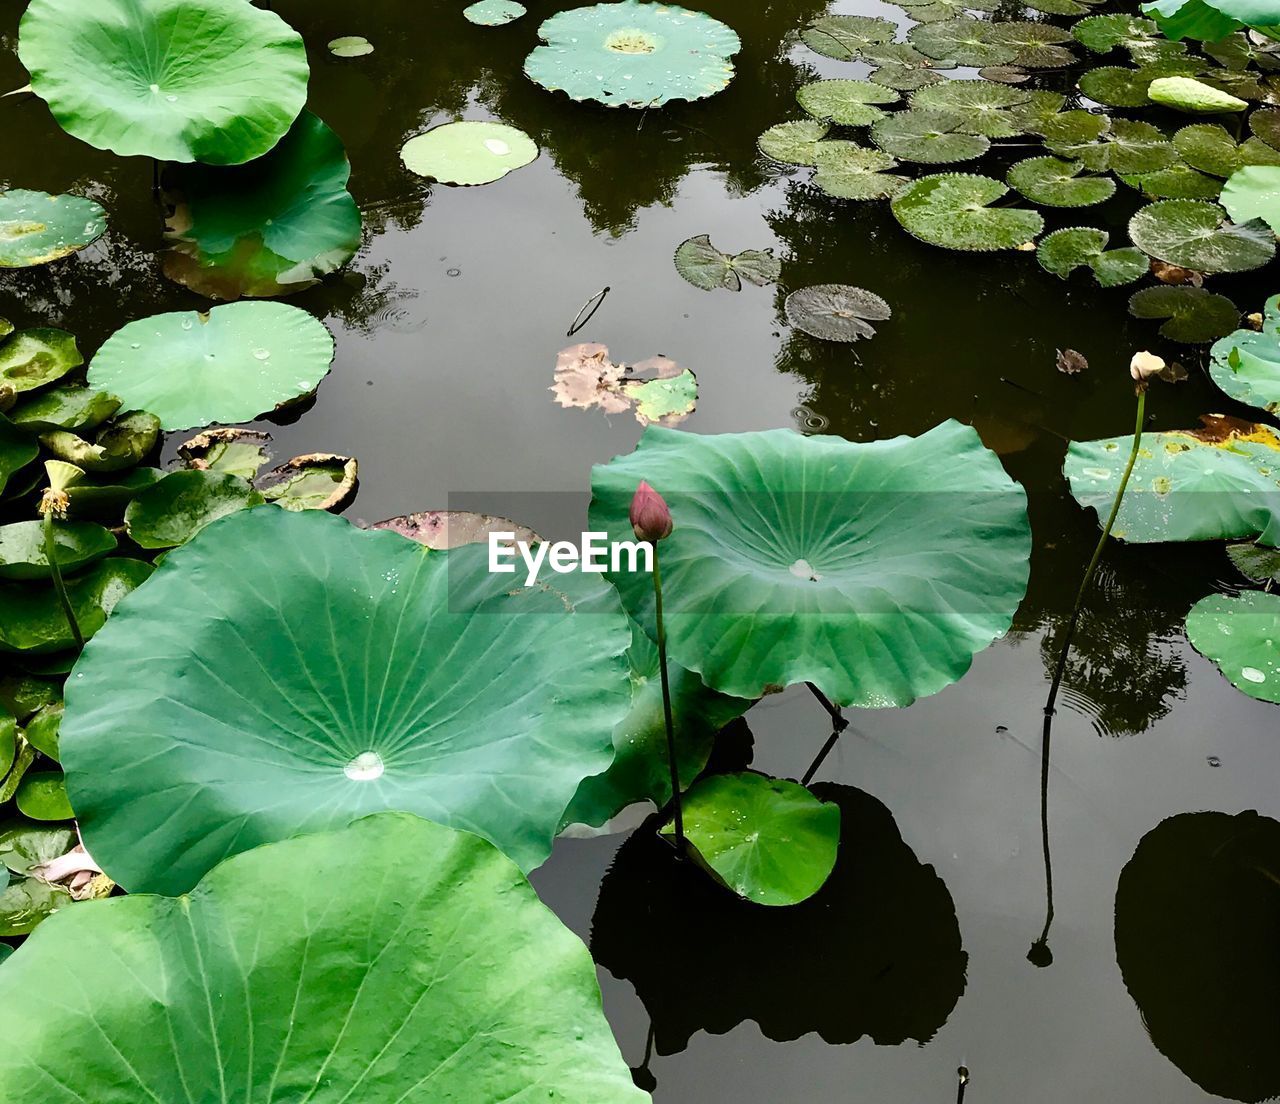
(1144, 365)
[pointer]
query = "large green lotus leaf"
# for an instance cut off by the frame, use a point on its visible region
(847, 37)
(34, 358)
(118, 444)
(847, 170)
(1057, 183)
(633, 54)
(218, 81)
(1197, 235)
(76, 543)
(1196, 916)
(1246, 364)
(847, 102)
(73, 408)
(469, 152)
(36, 228)
(768, 840)
(17, 450)
(271, 227)
(1254, 193)
(954, 211)
(640, 770)
(1038, 45)
(793, 143)
(980, 104)
(965, 41)
(1195, 315)
(1213, 483)
(175, 509)
(1209, 20)
(31, 618)
(229, 365)
(874, 570)
(1063, 251)
(706, 267)
(1209, 148)
(1189, 94)
(394, 960)
(929, 137)
(286, 671)
(1239, 634)
(1176, 182)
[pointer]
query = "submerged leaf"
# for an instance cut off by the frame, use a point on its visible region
(1198, 235)
(1194, 315)
(836, 312)
(953, 211)
(36, 228)
(705, 267)
(470, 152)
(1070, 362)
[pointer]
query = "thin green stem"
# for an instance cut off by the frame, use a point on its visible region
(672, 761)
(51, 554)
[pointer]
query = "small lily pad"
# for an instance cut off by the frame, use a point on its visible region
(316, 481)
(1117, 86)
(1004, 74)
(1254, 193)
(1063, 251)
(981, 105)
(1255, 562)
(847, 37)
(1239, 635)
(1056, 183)
(469, 152)
(1102, 33)
(1246, 363)
(35, 358)
(793, 143)
(73, 408)
(1036, 45)
(22, 547)
(706, 267)
(1189, 94)
(1197, 235)
(174, 510)
(1209, 148)
(1194, 315)
(847, 170)
(836, 312)
(493, 13)
(31, 618)
(118, 444)
(847, 102)
(953, 211)
(928, 137)
(43, 796)
(769, 841)
(36, 228)
(351, 46)
(966, 41)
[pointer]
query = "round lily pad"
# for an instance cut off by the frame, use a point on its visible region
(848, 102)
(929, 137)
(1194, 315)
(350, 46)
(229, 365)
(1197, 235)
(705, 267)
(980, 104)
(836, 312)
(845, 552)
(1036, 45)
(271, 228)
(1254, 193)
(76, 543)
(175, 509)
(493, 13)
(849, 171)
(1189, 94)
(953, 211)
(470, 152)
(934, 11)
(1056, 183)
(1102, 33)
(30, 359)
(1239, 634)
(1246, 363)
(793, 143)
(436, 963)
(965, 41)
(1063, 251)
(1117, 86)
(905, 78)
(1175, 182)
(218, 81)
(633, 54)
(1209, 148)
(371, 708)
(32, 619)
(36, 228)
(768, 840)
(846, 37)
(42, 795)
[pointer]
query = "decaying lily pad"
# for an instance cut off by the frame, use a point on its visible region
(242, 452)
(836, 312)
(1239, 634)
(1056, 183)
(953, 211)
(445, 529)
(1197, 235)
(793, 143)
(1063, 251)
(847, 170)
(175, 509)
(656, 390)
(35, 358)
(469, 152)
(493, 13)
(1254, 193)
(316, 481)
(633, 54)
(118, 444)
(1246, 363)
(705, 267)
(1194, 315)
(36, 228)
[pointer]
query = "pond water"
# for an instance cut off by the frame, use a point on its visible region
(447, 326)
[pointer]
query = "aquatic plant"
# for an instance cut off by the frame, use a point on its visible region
(706, 267)
(37, 229)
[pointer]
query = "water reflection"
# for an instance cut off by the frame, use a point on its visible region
(876, 952)
(1198, 942)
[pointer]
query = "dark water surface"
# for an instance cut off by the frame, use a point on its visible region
(448, 324)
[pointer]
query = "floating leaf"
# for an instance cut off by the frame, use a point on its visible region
(1246, 364)
(848, 102)
(767, 840)
(1057, 183)
(1063, 251)
(35, 358)
(1254, 193)
(1197, 235)
(654, 390)
(1194, 315)
(932, 11)
(31, 618)
(43, 796)
(351, 46)
(705, 267)
(847, 37)
(953, 211)
(310, 729)
(73, 408)
(493, 13)
(270, 228)
(230, 365)
(1266, 125)
(904, 78)
(1070, 362)
(449, 969)
(117, 445)
(444, 529)
(980, 104)
(1239, 634)
(76, 543)
(793, 143)
(219, 81)
(1122, 145)
(242, 452)
(1189, 94)
(1117, 86)
(965, 41)
(1255, 562)
(633, 54)
(1004, 74)
(316, 481)
(17, 450)
(1212, 483)
(1037, 45)
(1059, 7)
(41, 730)
(1209, 148)
(1102, 33)
(847, 552)
(36, 228)
(836, 312)
(1176, 182)
(469, 152)
(848, 171)
(108, 498)
(174, 510)
(1040, 107)
(929, 137)
(26, 903)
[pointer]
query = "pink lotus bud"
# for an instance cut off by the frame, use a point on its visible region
(650, 517)
(1144, 365)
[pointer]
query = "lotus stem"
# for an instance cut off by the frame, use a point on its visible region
(672, 761)
(51, 554)
(838, 725)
